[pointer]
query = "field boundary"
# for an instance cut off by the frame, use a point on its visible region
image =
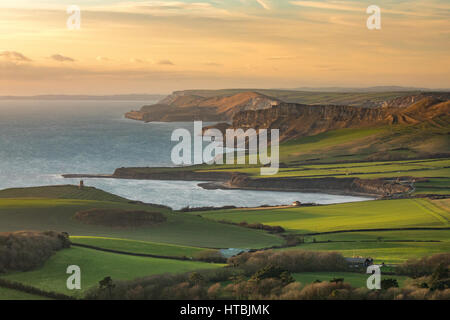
(374, 230)
(147, 255)
(8, 284)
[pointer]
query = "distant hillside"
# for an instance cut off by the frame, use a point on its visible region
(181, 106)
(222, 105)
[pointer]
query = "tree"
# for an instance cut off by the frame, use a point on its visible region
(389, 283)
(107, 284)
(195, 278)
(440, 278)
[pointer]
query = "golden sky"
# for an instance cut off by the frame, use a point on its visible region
(161, 46)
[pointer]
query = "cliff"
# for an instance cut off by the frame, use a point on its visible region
(296, 120)
(181, 106)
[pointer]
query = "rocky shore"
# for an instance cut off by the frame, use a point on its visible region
(228, 180)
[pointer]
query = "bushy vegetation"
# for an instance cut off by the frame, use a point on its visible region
(119, 218)
(32, 290)
(258, 226)
(292, 261)
(424, 267)
(268, 283)
(26, 250)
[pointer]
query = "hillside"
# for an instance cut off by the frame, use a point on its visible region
(222, 105)
(297, 120)
(184, 107)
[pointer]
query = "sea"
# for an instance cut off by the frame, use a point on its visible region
(42, 139)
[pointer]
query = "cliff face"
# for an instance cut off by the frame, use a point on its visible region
(184, 107)
(295, 120)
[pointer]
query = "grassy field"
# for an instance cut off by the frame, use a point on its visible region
(187, 230)
(384, 246)
(436, 169)
(310, 97)
(404, 213)
(10, 294)
(387, 252)
(357, 280)
(95, 265)
(61, 192)
(141, 247)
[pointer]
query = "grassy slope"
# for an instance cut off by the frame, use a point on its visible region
(387, 246)
(61, 192)
(388, 252)
(10, 294)
(361, 215)
(308, 97)
(142, 247)
(95, 265)
(56, 214)
(435, 169)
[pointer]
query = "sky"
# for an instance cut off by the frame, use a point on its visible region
(161, 46)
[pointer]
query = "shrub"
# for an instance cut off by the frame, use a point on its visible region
(26, 250)
(389, 283)
(290, 260)
(426, 266)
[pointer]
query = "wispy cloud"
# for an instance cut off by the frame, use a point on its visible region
(332, 5)
(166, 62)
(61, 58)
(14, 56)
(101, 58)
(263, 4)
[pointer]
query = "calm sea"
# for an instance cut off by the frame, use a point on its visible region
(40, 140)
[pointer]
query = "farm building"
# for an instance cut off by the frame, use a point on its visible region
(359, 262)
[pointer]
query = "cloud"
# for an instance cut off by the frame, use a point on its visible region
(263, 4)
(166, 62)
(61, 58)
(333, 5)
(137, 60)
(100, 58)
(14, 56)
(169, 8)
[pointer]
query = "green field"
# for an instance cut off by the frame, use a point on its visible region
(140, 247)
(386, 246)
(61, 192)
(357, 280)
(435, 169)
(387, 252)
(394, 246)
(95, 265)
(404, 213)
(10, 294)
(185, 230)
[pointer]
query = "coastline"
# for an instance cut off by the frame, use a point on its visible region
(375, 188)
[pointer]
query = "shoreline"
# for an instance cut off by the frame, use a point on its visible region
(375, 188)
